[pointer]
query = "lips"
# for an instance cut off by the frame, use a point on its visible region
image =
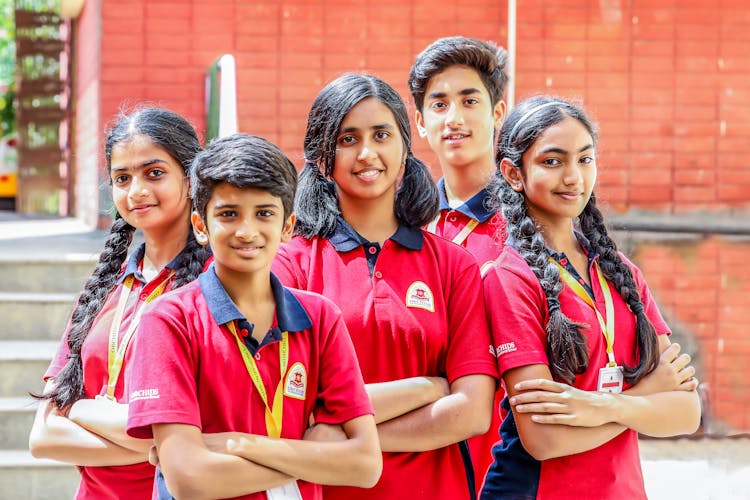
(247, 251)
(569, 195)
(141, 208)
(368, 174)
(455, 137)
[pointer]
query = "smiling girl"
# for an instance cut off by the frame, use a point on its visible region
(582, 348)
(82, 415)
(411, 301)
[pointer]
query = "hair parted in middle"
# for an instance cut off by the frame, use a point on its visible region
(567, 350)
(316, 204)
(486, 58)
(243, 161)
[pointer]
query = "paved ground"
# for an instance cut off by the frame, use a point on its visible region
(683, 469)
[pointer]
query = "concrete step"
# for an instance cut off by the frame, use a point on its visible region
(64, 273)
(16, 419)
(25, 477)
(34, 316)
(22, 364)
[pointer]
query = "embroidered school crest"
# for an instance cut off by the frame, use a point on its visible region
(420, 296)
(295, 384)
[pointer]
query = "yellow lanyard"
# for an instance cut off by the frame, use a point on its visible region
(461, 236)
(116, 353)
(608, 326)
(273, 416)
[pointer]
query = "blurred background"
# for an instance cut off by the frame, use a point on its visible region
(667, 80)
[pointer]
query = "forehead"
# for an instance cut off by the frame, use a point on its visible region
(455, 79)
(568, 134)
(367, 113)
(138, 147)
(227, 194)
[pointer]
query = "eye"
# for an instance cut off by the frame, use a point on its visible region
(471, 101)
(551, 162)
(382, 135)
(226, 213)
(438, 106)
(120, 179)
(347, 140)
(155, 173)
(265, 213)
(587, 160)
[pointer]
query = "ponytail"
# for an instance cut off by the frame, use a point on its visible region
(316, 204)
(417, 199)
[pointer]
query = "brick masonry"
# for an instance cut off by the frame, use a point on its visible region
(666, 79)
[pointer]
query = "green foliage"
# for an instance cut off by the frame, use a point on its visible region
(7, 68)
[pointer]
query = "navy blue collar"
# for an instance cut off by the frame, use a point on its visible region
(346, 239)
(476, 207)
(134, 263)
(290, 314)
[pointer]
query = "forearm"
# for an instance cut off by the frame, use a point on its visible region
(545, 441)
(57, 438)
(659, 415)
(399, 397)
(450, 419)
(108, 420)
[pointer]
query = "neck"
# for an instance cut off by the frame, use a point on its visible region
(467, 181)
(249, 291)
(559, 236)
(375, 219)
(164, 245)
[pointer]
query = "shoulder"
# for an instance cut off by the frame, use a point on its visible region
(449, 251)
(511, 272)
(183, 299)
(313, 303)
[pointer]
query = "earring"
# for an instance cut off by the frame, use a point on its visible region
(201, 238)
(517, 187)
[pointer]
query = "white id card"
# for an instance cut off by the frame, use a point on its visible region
(288, 491)
(610, 379)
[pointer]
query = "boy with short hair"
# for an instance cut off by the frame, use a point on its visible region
(228, 400)
(458, 84)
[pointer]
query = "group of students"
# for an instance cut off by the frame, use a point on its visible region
(346, 337)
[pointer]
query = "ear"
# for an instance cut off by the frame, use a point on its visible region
(498, 113)
(199, 229)
(419, 120)
(512, 174)
(288, 230)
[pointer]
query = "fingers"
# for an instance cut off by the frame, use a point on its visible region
(682, 361)
(153, 456)
(541, 408)
(541, 384)
(671, 352)
(536, 397)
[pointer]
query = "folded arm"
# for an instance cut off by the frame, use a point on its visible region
(465, 412)
(107, 419)
(398, 397)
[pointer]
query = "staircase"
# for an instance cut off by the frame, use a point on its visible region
(41, 278)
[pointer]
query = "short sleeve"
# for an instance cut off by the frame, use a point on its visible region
(61, 357)
(516, 312)
(470, 344)
(161, 379)
(341, 391)
(288, 264)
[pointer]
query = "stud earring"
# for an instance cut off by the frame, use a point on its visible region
(201, 238)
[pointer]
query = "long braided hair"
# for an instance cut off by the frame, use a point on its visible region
(566, 345)
(177, 137)
(316, 203)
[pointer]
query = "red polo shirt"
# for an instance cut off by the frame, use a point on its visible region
(517, 310)
(484, 242)
(126, 481)
(182, 342)
(413, 308)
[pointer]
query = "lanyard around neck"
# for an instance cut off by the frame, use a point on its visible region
(116, 352)
(275, 415)
(607, 326)
(461, 236)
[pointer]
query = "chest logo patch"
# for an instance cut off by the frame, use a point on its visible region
(295, 384)
(420, 296)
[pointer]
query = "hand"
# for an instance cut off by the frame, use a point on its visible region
(153, 456)
(552, 402)
(674, 373)
(325, 432)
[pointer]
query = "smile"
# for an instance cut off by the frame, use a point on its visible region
(368, 174)
(455, 137)
(248, 251)
(569, 195)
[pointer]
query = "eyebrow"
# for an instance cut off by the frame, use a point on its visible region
(553, 149)
(145, 164)
(442, 95)
(384, 126)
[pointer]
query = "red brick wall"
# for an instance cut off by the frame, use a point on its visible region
(668, 80)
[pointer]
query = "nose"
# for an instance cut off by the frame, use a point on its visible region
(138, 188)
(572, 175)
(246, 231)
(454, 116)
(367, 153)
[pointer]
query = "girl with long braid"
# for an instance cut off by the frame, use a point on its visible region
(412, 302)
(83, 411)
(582, 348)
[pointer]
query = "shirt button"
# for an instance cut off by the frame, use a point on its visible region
(378, 274)
(372, 250)
(257, 356)
(452, 218)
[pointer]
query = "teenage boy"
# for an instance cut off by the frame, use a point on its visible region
(458, 84)
(231, 369)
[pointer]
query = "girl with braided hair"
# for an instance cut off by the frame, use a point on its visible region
(582, 348)
(83, 411)
(412, 301)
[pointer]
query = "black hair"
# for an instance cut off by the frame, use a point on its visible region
(486, 58)
(172, 133)
(566, 345)
(316, 204)
(244, 161)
